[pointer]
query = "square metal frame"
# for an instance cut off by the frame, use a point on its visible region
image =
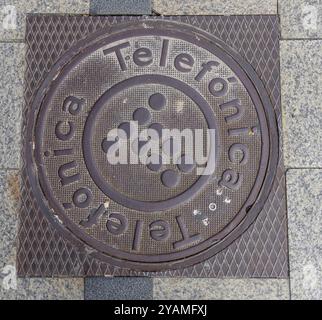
(260, 252)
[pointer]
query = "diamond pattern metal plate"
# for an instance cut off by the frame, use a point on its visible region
(261, 251)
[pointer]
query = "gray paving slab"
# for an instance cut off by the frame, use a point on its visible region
(301, 79)
(9, 205)
(216, 7)
(11, 101)
(221, 289)
(43, 289)
(13, 13)
(304, 197)
(300, 18)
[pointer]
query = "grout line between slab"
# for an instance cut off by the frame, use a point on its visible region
(303, 168)
(289, 289)
(13, 41)
(9, 169)
(277, 7)
(301, 39)
(287, 237)
(84, 288)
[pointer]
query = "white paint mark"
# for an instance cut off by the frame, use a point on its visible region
(10, 277)
(179, 105)
(310, 276)
(10, 20)
(205, 222)
(310, 17)
(58, 219)
(219, 192)
(106, 204)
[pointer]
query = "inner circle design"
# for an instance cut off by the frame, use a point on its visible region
(88, 136)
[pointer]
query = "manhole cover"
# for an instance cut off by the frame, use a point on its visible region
(206, 173)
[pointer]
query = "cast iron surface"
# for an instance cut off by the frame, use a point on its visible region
(52, 227)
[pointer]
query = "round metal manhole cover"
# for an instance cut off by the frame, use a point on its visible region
(154, 145)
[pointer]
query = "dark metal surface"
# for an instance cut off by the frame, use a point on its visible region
(65, 245)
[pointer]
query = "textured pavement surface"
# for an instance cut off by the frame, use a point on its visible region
(11, 90)
(305, 226)
(301, 79)
(301, 62)
(220, 289)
